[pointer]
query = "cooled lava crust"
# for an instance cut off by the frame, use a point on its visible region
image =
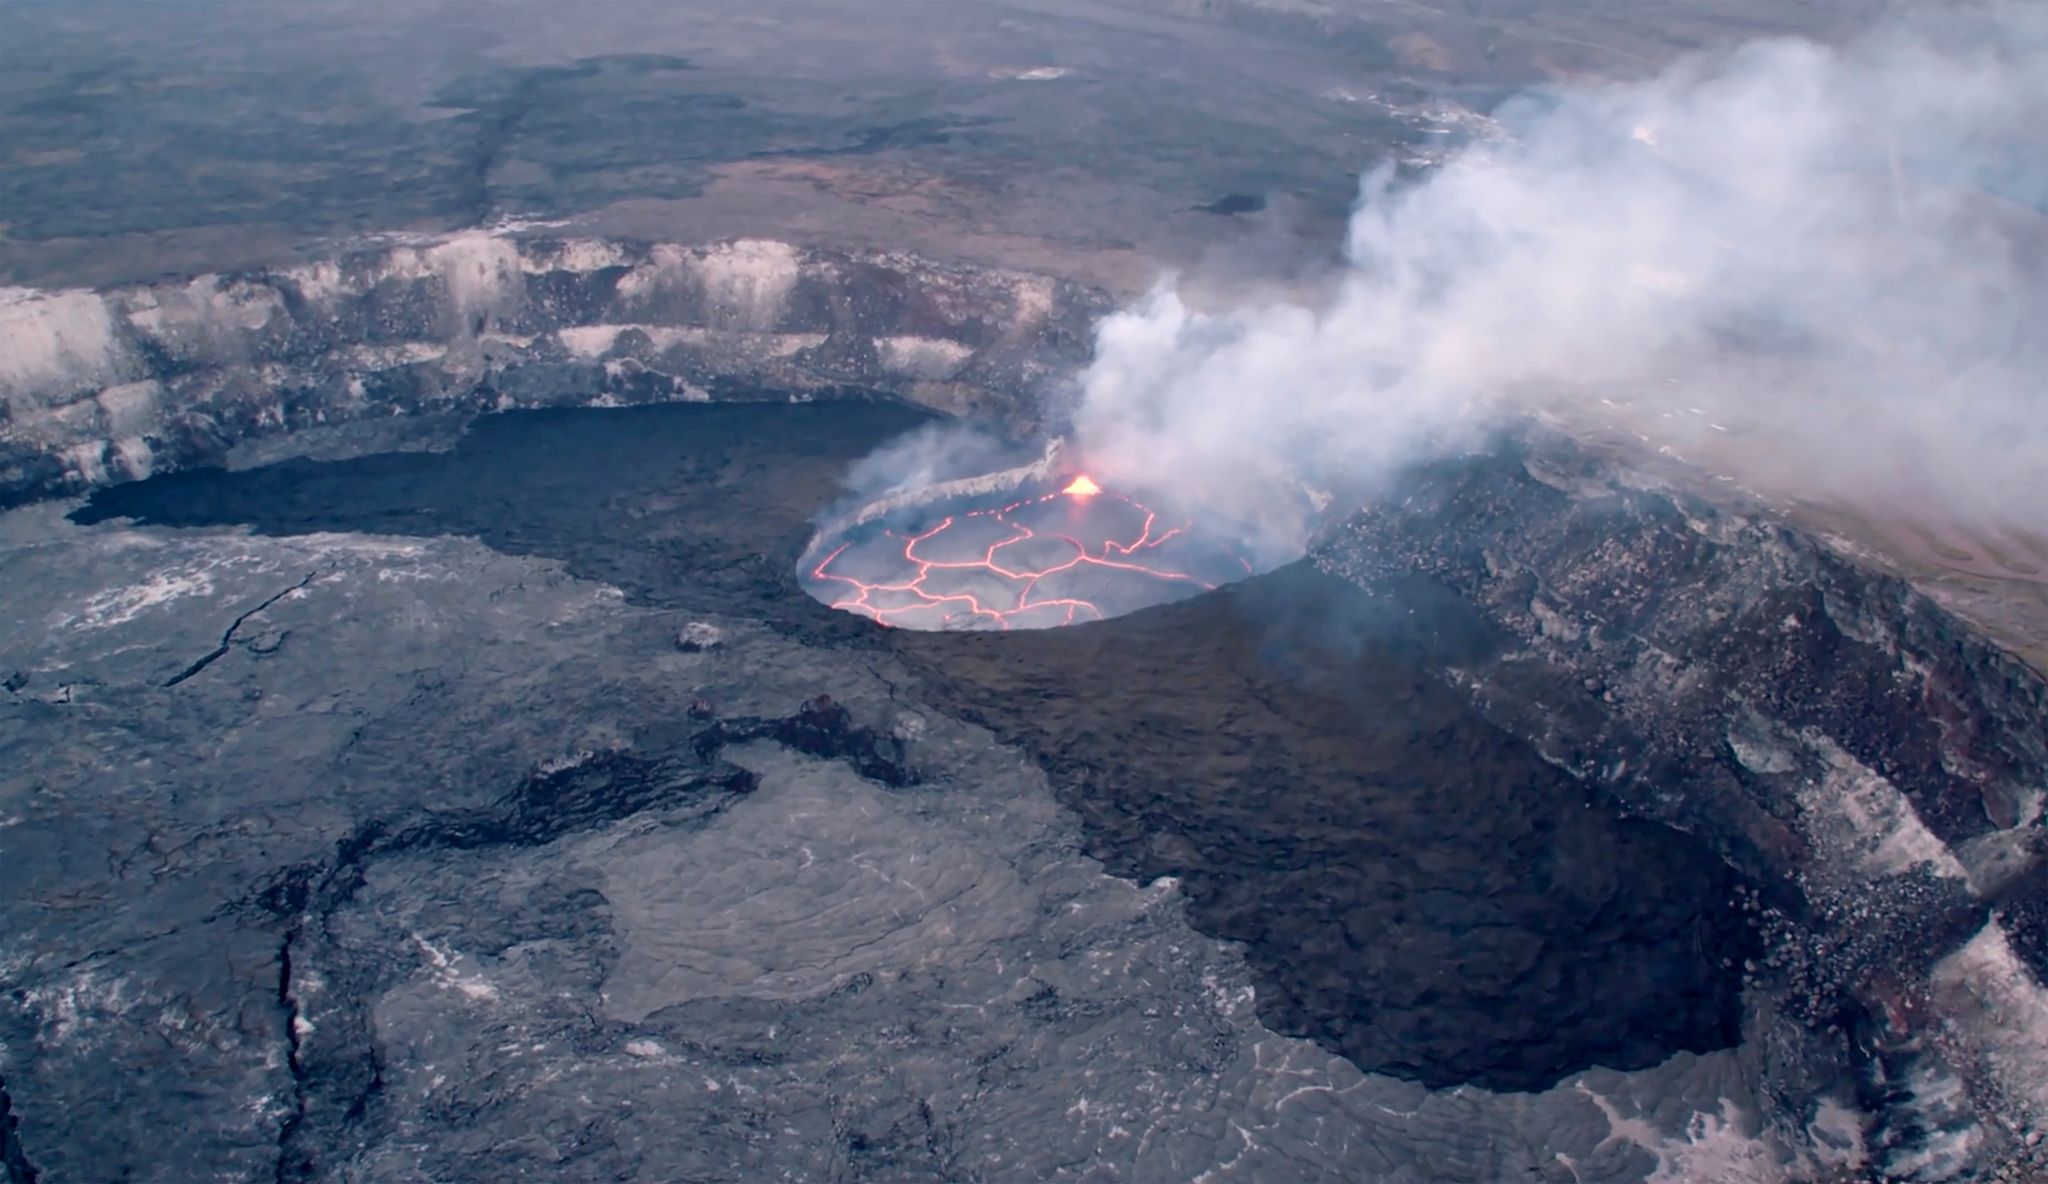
(1416, 888)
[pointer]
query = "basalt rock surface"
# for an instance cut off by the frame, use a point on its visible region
(1879, 766)
(451, 862)
(1367, 791)
(1418, 890)
(1472, 921)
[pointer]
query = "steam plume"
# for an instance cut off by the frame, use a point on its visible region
(1818, 269)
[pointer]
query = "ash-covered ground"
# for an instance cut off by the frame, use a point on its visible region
(478, 813)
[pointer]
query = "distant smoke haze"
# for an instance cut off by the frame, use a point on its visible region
(1817, 269)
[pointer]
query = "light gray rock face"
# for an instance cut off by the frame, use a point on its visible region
(97, 387)
(1876, 763)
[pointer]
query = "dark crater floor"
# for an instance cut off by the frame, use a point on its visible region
(1415, 888)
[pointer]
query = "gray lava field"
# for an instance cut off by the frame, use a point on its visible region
(510, 810)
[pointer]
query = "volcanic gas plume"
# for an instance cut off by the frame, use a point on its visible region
(1076, 553)
(1811, 268)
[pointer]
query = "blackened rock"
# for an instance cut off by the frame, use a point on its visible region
(1416, 889)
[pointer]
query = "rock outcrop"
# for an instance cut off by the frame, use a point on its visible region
(101, 387)
(1866, 755)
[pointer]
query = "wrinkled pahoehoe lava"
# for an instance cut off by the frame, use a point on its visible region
(1418, 890)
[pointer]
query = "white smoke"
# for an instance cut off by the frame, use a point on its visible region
(1819, 268)
(920, 459)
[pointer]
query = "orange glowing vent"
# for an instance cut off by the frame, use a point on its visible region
(1082, 487)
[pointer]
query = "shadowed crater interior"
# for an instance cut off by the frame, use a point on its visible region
(1415, 888)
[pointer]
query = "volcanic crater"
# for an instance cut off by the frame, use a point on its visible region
(1476, 792)
(1416, 888)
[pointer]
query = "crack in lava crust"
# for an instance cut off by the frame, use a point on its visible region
(1024, 565)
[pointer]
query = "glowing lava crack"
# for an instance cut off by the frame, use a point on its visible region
(1079, 554)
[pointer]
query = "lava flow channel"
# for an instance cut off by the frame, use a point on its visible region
(1025, 565)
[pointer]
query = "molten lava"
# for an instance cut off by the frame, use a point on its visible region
(1080, 554)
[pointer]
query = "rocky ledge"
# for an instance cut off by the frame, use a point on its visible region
(100, 387)
(1828, 729)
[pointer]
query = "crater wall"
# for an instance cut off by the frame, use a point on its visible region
(101, 387)
(1875, 763)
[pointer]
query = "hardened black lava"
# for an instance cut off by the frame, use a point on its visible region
(1416, 888)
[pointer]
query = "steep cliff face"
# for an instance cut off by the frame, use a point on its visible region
(100, 387)
(1826, 727)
